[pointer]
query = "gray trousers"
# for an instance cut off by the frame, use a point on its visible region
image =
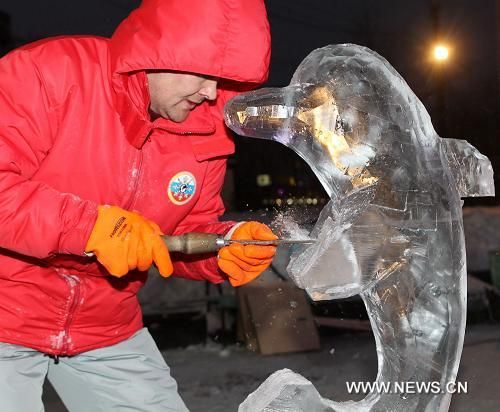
(129, 376)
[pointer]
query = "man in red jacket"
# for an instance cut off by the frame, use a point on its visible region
(105, 144)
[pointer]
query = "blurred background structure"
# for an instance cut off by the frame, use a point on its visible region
(449, 53)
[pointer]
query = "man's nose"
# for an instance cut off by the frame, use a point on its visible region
(209, 89)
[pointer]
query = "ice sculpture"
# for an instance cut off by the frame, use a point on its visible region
(392, 231)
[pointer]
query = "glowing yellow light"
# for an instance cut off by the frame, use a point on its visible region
(441, 52)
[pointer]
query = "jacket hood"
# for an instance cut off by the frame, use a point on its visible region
(223, 38)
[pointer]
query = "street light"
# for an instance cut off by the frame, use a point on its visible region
(440, 59)
(441, 52)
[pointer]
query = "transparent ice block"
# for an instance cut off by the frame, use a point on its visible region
(392, 231)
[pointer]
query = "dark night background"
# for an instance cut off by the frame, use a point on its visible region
(461, 95)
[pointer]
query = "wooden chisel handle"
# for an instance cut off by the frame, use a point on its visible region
(193, 243)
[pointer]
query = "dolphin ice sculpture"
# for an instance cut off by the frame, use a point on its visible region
(393, 230)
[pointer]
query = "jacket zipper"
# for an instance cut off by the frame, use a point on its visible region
(74, 295)
(136, 183)
(203, 131)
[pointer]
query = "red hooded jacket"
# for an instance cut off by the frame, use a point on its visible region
(75, 133)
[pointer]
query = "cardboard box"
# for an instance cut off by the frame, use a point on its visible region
(276, 318)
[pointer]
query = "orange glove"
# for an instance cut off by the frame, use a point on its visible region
(123, 241)
(245, 263)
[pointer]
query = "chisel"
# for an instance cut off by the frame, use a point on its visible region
(194, 242)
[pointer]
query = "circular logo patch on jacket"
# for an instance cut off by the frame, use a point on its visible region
(182, 188)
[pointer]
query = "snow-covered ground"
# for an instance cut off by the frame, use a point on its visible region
(212, 378)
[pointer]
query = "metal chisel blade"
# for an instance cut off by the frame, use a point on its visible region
(276, 242)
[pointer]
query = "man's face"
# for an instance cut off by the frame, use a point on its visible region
(174, 94)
